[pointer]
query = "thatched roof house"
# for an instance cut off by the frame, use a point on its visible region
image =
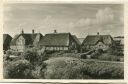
(6, 41)
(93, 39)
(59, 41)
(25, 40)
(97, 41)
(29, 38)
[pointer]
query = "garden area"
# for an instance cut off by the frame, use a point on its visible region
(61, 65)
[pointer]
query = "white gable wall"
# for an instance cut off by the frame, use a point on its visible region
(101, 45)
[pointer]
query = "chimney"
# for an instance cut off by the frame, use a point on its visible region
(55, 31)
(97, 33)
(33, 31)
(22, 32)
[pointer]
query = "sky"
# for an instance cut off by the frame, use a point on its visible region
(78, 19)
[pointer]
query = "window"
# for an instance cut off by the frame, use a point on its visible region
(61, 48)
(65, 48)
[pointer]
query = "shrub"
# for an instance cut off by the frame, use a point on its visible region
(50, 52)
(17, 53)
(6, 57)
(100, 51)
(102, 70)
(38, 71)
(96, 53)
(20, 69)
(8, 52)
(30, 56)
(108, 57)
(115, 51)
(11, 52)
(34, 56)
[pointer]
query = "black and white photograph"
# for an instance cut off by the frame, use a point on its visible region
(57, 83)
(63, 41)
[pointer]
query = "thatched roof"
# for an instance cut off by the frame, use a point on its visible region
(29, 38)
(6, 38)
(93, 39)
(56, 39)
(37, 39)
(76, 39)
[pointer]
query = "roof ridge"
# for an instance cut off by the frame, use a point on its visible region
(99, 35)
(58, 33)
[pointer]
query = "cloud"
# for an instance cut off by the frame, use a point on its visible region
(103, 21)
(102, 17)
(84, 22)
(50, 23)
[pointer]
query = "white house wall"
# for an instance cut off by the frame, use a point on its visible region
(99, 45)
(20, 44)
(55, 48)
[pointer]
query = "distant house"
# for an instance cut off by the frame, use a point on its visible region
(76, 39)
(60, 42)
(6, 41)
(97, 42)
(119, 41)
(23, 41)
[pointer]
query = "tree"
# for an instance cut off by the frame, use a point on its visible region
(31, 56)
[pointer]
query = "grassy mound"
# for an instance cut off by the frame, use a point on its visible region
(75, 68)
